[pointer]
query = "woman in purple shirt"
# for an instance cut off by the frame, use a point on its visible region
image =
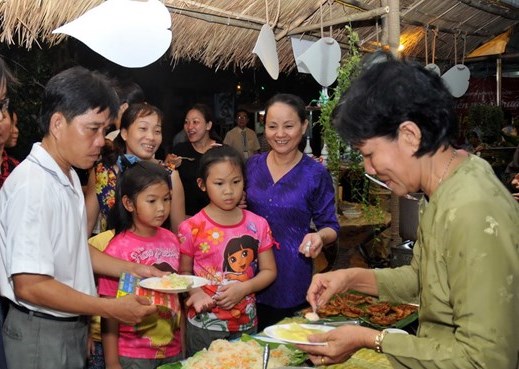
(291, 191)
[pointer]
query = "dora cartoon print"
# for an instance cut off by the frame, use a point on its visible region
(240, 258)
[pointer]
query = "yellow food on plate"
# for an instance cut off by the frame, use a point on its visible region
(223, 354)
(295, 332)
(175, 281)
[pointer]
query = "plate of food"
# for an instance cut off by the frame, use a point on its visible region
(173, 283)
(367, 309)
(296, 333)
(247, 351)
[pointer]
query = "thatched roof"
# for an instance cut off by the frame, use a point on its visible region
(222, 34)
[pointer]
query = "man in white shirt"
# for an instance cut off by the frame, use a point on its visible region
(46, 270)
(242, 138)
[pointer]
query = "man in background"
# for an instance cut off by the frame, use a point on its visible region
(242, 138)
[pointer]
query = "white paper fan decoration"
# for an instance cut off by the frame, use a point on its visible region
(322, 60)
(266, 50)
(130, 33)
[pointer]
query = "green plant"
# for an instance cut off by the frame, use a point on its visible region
(349, 68)
(338, 151)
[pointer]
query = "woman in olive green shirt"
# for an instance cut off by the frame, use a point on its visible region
(465, 268)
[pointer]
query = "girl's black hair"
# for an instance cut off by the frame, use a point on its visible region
(219, 154)
(135, 179)
(237, 244)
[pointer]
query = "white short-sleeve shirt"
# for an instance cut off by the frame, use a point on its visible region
(43, 227)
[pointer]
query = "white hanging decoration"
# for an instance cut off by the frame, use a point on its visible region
(130, 33)
(266, 47)
(322, 60)
(308, 148)
(299, 47)
(266, 50)
(457, 79)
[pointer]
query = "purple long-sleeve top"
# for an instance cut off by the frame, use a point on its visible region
(303, 195)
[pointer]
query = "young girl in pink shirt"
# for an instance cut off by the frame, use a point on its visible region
(229, 246)
(143, 200)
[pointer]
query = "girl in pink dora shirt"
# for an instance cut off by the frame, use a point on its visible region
(142, 204)
(229, 246)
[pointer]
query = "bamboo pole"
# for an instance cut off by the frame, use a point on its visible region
(225, 13)
(216, 19)
(394, 27)
(370, 14)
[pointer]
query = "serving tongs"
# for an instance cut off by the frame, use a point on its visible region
(266, 355)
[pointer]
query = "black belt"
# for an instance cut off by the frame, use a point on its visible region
(39, 314)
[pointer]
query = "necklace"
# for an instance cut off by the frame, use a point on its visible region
(454, 153)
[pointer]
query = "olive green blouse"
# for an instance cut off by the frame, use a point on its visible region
(464, 274)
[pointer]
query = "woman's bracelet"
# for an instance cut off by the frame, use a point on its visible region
(378, 341)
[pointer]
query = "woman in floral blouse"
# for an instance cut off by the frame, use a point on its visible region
(141, 135)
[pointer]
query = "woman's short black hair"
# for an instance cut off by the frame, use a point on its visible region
(390, 92)
(291, 100)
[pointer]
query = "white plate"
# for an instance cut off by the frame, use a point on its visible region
(153, 283)
(273, 332)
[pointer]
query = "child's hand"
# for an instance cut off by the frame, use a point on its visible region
(200, 301)
(230, 294)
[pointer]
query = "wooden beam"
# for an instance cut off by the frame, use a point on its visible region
(444, 30)
(225, 13)
(485, 6)
(211, 18)
(393, 20)
(296, 23)
(370, 14)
